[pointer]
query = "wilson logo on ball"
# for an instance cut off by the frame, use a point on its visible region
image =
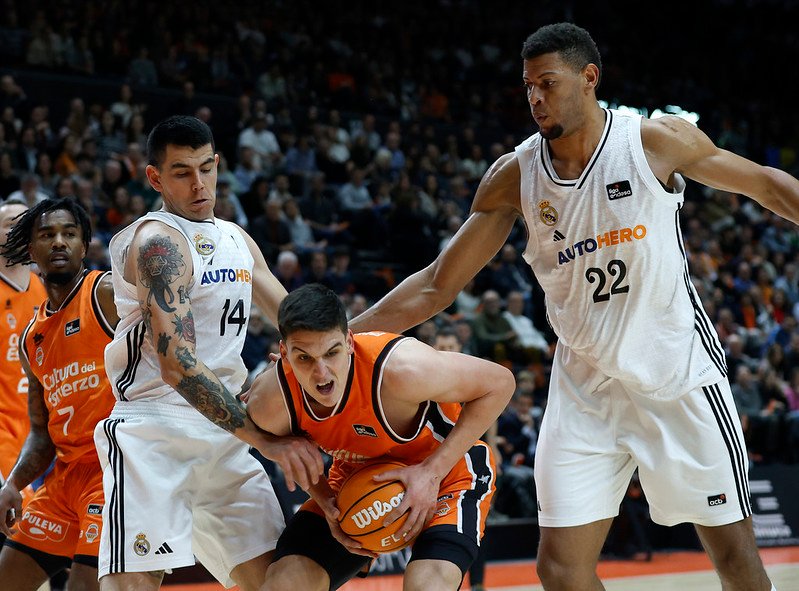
(378, 509)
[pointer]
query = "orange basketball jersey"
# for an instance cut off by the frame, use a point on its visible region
(65, 351)
(18, 307)
(357, 429)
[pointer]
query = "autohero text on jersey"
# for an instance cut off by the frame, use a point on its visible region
(609, 238)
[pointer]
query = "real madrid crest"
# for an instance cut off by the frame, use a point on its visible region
(204, 245)
(141, 546)
(548, 214)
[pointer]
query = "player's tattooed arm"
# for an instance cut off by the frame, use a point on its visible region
(185, 357)
(163, 343)
(38, 450)
(160, 264)
(214, 401)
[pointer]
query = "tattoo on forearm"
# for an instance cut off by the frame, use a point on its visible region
(163, 343)
(213, 400)
(183, 294)
(160, 263)
(185, 358)
(184, 327)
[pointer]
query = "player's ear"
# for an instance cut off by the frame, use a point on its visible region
(591, 76)
(350, 342)
(284, 352)
(154, 177)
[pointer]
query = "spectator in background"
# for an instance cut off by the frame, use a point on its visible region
(281, 189)
(301, 233)
(495, 336)
(340, 276)
(468, 341)
(319, 207)
(300, 165)
(225, 194)
(317, 269)
(248, 168)
(288, 271)
(29, 191)
(270, 230)
(263, 142)
(46, 174)
(533, 343)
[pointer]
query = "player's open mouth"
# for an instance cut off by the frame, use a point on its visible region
(325, 388)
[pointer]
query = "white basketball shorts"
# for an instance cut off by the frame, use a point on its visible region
(177, 486)
(690, 455)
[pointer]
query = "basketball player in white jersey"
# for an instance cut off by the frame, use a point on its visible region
(179, 482)
(638, 379)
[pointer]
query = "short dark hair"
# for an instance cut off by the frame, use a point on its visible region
(311, 307)
(573, 43)
(15, 249)
(177, 130)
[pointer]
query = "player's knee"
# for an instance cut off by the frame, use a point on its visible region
(563, 574)
(281, 576)
(739, 566)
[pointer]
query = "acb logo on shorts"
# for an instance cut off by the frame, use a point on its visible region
(717, 500)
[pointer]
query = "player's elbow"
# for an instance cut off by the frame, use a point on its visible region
(506, 383)
(172, 372)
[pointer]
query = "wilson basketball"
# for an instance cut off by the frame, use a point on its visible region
(364, 503)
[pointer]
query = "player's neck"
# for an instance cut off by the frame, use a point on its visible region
(574, 151)
(18, 275)
(57, 294)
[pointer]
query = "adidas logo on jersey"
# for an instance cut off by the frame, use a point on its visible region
(164, 549)
(557, 236)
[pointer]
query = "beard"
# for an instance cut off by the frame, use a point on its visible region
(59, 277)
(553, 132)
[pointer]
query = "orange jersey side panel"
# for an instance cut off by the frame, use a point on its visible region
(65, 350)
(17, 307)
(357, 430)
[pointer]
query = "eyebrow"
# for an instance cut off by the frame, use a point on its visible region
(296, 348)
(179, 164)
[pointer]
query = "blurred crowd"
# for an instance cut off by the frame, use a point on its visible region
(353, 139)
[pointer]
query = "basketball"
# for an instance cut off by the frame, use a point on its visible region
(364, 503)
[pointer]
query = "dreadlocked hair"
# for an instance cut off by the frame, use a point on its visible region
(15, 249)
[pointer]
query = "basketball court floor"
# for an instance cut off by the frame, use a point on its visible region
(667, 571)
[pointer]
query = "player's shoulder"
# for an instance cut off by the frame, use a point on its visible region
(500, 186)
(667, 131)
(155, 230)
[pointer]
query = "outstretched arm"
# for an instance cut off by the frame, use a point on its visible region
(674, 145)
(36, 455)
(427, 292)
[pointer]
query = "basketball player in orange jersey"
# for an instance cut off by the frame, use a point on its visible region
(21, 293)
(62, 353)
(371, 395)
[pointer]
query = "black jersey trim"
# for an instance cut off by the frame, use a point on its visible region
(98, 311)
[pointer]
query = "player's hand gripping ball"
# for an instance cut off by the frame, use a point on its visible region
(364, 503)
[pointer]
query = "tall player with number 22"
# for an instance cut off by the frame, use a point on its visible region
(183, 285)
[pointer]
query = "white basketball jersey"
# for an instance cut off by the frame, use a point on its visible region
(220, 292)
(608, 252)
